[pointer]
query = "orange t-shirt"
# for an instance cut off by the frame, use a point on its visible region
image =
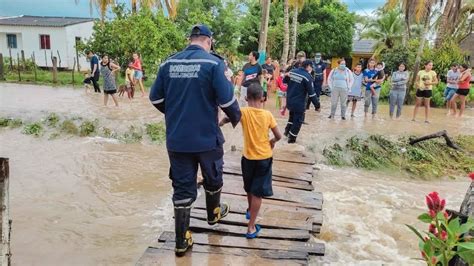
(255, 124)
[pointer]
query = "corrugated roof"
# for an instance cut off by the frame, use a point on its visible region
(363, 46)
(39, 21)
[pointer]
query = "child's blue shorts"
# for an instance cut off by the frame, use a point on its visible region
(257, 176)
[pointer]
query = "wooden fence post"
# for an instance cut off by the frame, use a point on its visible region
(33, 58)
(5, 212)
(23, 59)
(2, 74)
(59, 56)
(18, 66)
(55, 69)
(11, 59)
(73, 67)
(45, 58)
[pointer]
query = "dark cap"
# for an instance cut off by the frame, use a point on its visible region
(201, 30)
(307, 63)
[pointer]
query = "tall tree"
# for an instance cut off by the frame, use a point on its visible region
(265, 17)
(387, 30)
(297, 6)
(102, 5)
(455, 14)
(286, 32)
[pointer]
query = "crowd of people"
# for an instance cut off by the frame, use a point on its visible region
(349, 86)
(108, 70)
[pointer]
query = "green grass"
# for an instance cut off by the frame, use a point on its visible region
(156, 131)
(45, 77)
(35, 129)
(10, 122)
(69, 127)
(427, 159)
(88, 128)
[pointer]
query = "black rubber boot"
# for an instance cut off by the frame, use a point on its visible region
(184, 238)
(215, 210)
(291, 139)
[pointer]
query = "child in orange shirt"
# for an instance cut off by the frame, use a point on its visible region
(257, 156)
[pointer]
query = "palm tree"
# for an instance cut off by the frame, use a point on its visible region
(262, 39)
(455, 14)
(297, 6)
(286, 32)
(102, 5)
(387, 30)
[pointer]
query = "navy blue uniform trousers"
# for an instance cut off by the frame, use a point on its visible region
(183, 172)
(294, 123)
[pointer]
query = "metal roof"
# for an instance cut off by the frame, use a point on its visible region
(363, 46)
(39, 21)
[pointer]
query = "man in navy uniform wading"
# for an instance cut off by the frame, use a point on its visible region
(189, 89)
(300, 85)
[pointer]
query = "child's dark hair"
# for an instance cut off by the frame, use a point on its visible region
(465, 66)
(254, 92)
(255, 54)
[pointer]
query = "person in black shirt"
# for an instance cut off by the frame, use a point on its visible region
(252, 74)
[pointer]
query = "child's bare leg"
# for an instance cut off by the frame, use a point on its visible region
(354, 104)
(462, 98)
(452, 103)
(427, 108)
(417, 105)
(106, 99)
(114, 97)
(140, 82)
(249, 200)
(256, 202)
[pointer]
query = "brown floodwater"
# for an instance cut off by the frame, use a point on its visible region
(96, 201)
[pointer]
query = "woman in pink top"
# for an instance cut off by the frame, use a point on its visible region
(138, 72)
(463, 89)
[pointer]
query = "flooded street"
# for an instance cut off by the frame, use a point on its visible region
(95, 201)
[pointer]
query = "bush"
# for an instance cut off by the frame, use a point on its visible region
(133, 135)
(10, 122)
(35, 129)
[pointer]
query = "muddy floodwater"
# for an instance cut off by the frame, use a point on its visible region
(97, 201)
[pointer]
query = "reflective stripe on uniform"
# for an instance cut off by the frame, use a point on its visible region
(296, 74)
(158, 101)
(229, 103)
(189, 61)
(312, 95)
(293, 134)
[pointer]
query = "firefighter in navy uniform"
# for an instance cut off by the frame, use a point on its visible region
(189, 89)
(319, 68)
(300, 86)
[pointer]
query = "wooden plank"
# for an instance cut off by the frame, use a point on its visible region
(209, 255)
(312, 248)
(236, 157)
(277, 182)
(5, 256)
(267, 254)
(265, 222)
(243, 198)
(200, 226)
(234, 168)
(293, 157)
(311, 198)
(239, 205)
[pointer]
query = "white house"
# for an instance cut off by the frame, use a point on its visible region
(45, 37)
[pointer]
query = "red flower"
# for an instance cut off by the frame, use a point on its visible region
(432, 213)
(423, 254)
(434, 202)
(444, 235)
(432, 229)
(446, 215)
(471, 175)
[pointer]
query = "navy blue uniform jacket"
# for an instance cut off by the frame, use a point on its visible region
(189, 88)
(300, 84)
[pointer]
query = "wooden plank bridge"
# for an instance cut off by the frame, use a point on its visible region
(289, 219)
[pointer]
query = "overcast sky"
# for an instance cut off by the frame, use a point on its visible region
(69, 8)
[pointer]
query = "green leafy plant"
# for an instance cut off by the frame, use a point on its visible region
(87, 128)
(445, 237)
(10, 122)
(35, 129)
(52, 120)
(133, 135)
(156, 131)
